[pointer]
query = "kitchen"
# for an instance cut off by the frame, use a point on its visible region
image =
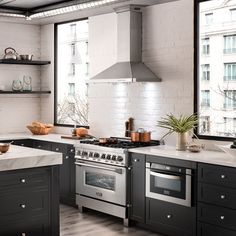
(122, 196)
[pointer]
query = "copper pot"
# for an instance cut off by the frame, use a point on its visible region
(141, 136)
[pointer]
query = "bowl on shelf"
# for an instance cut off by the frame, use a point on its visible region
(26, 57)
(4, 147)
(228, 150)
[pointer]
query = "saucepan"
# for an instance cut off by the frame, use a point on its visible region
(141, 135)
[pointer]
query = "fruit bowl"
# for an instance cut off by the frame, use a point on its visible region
(4, 147)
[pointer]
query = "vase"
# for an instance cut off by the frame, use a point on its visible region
(181, 142)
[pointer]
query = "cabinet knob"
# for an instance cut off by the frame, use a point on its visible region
(57, 149)
(136, 160)
(222, 217)
(22, 144)
(169, 216)
(71, 150)
(23, 234)
(22, 181)
(39, 146)
(223, 176)
(222, 196)
(23, 206)
(67, 157)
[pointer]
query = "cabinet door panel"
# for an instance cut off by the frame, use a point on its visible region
(211, 230)
(137, 211)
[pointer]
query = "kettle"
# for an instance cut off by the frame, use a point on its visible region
(10, 53)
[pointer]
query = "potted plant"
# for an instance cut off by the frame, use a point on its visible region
(181, 126)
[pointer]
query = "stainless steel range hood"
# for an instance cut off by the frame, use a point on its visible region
(129, 66)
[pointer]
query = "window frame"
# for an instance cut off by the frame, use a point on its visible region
(197, 71)
(55, 73)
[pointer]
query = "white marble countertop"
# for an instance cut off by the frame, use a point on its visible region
(21, 157)
(50, 138)
(210, 157)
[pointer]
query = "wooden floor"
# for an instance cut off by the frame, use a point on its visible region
(93, 223)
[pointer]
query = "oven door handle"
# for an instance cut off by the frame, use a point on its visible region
(175, 177)
(116, 170)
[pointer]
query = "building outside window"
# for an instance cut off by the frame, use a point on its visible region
(230, 44)
(215, 63)
(71, 100)
(209, 18)
(205, 46)
(230, 72)
(230, 99)
(205, 98)
(206, 72)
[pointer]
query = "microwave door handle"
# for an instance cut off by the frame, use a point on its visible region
(175, 177)
(116, 170)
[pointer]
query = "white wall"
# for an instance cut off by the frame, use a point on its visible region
(16, 111)
(167, 50)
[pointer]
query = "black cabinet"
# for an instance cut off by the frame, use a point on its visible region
(29, 202)
(137, 210)
(170, 219)
(67, 169)
(216, 200)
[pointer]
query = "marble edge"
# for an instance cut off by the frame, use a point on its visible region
(222, 158)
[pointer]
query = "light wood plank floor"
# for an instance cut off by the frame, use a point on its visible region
(92, 223)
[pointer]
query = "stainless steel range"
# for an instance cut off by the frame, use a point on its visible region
(102, 176)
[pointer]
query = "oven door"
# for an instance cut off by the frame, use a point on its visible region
(100, 181)
(168, 186)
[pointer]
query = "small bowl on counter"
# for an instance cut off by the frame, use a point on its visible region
(4, 147)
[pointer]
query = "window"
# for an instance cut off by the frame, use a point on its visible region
(71, 59)
(206, 72)
(230, 72)
(71, 89)
(72, 49)
(206, 46)
(230, 99)
(230, 126)
(230, 44)
(72, 69)
(233, 14)
(215, 72)
(205, 124)
(209, 18)
(73, 30)
(205, 101)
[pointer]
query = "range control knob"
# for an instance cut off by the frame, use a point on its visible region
(84, 153)
(91, 154)
(103, 156)
(113, 157)
(120, 158)
(96, 155)
(78, 152)
(108, 157)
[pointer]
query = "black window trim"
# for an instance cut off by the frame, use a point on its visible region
(196, 73)
(55, 73)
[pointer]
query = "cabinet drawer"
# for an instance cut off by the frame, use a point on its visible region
(220, 216)
(210, 230)
(217, 175)
(24, 142)
(180, 217)
(42, 145)
(23, 179)
(58, 147)
(23, 205)
(35, 226)
(217, 195)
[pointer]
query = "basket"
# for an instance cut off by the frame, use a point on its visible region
(39, 130)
